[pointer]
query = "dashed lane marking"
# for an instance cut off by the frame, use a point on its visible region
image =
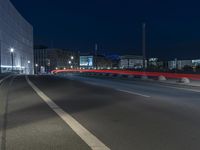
(133, 93)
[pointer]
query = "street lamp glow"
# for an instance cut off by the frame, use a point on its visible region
(72, 57)
(70, 62)
(29, 61)
(36, 65)
(12, 50)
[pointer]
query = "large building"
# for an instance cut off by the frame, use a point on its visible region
(16, 40)
(131, 62)
(48, 59)
(180, 64)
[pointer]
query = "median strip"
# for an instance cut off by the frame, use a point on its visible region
(91, 140)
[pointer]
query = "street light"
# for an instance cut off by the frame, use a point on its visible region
(36, 69)
(29, 66)
(12, 52)
(72, 57)
(144, 45)
(70, 62)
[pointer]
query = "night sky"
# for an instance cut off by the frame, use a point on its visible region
(173, 27)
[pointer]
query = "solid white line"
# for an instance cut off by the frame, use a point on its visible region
(93, 142)
(134, 93)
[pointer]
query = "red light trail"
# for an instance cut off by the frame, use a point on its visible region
(134, 73)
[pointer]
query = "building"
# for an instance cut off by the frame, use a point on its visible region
(48, 59)
(131, 62)
(196, 62)
(86, 62)
(179, 64)
(153, 61)
(102, 62)
(16, 40)
(95, 62)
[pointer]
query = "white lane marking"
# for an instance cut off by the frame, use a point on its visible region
(102, 85)
(93, 142)
(130, 92)
(179, 88)
(134, 93)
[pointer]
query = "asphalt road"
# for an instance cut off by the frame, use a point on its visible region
(123, 115)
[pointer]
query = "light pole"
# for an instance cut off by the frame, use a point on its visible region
(12, 54)
(144, 45)
(29, 66)
(72, 58)
(36, 68)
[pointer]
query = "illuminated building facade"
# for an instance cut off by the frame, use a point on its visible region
(16, 41)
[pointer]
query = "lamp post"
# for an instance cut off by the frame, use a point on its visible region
(29, 66)
(72, 62)
(36, 68)
(12, 53)
(144, 45)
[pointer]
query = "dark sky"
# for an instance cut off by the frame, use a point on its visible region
(173, 26)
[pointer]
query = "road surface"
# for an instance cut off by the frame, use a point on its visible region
(83, 113)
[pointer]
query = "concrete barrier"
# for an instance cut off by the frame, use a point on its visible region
(162, 78)
(184, 80)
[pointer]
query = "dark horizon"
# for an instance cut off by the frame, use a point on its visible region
(172, 27)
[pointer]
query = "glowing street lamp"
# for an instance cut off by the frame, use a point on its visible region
(36, 69)
(11, 52)
(72, 57)
(28, 66)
